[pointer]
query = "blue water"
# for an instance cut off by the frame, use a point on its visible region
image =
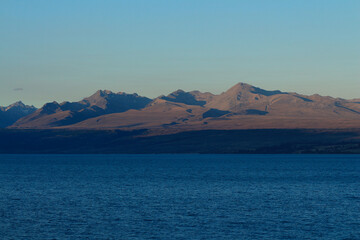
(179, 197)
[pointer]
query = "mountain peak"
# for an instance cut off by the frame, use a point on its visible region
(100, 94)
(13, 112)
(243, 85)
(19, 105)
(103, 93)
(49, 108)
(179, 91)
(181, 96)
(16, 104)
(247, 88)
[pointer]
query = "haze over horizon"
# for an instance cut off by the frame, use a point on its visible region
(66, 50)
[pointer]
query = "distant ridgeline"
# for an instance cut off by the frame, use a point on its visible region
(241, 107)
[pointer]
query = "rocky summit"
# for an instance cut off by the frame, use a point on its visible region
(10, 114)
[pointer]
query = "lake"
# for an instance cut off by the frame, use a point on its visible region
(180, 196)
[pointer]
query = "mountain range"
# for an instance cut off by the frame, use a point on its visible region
(241, 107)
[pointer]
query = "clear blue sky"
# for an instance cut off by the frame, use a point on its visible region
(68, 49)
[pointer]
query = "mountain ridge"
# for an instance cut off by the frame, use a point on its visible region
(242, 106)
(10, 114)
(67, 113)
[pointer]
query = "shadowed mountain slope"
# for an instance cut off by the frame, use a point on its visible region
(189, 98)
(13, 112)
(67, 113)
(158, 114)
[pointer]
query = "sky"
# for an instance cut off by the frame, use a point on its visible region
(66, 50)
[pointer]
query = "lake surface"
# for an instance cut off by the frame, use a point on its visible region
(179, 197)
